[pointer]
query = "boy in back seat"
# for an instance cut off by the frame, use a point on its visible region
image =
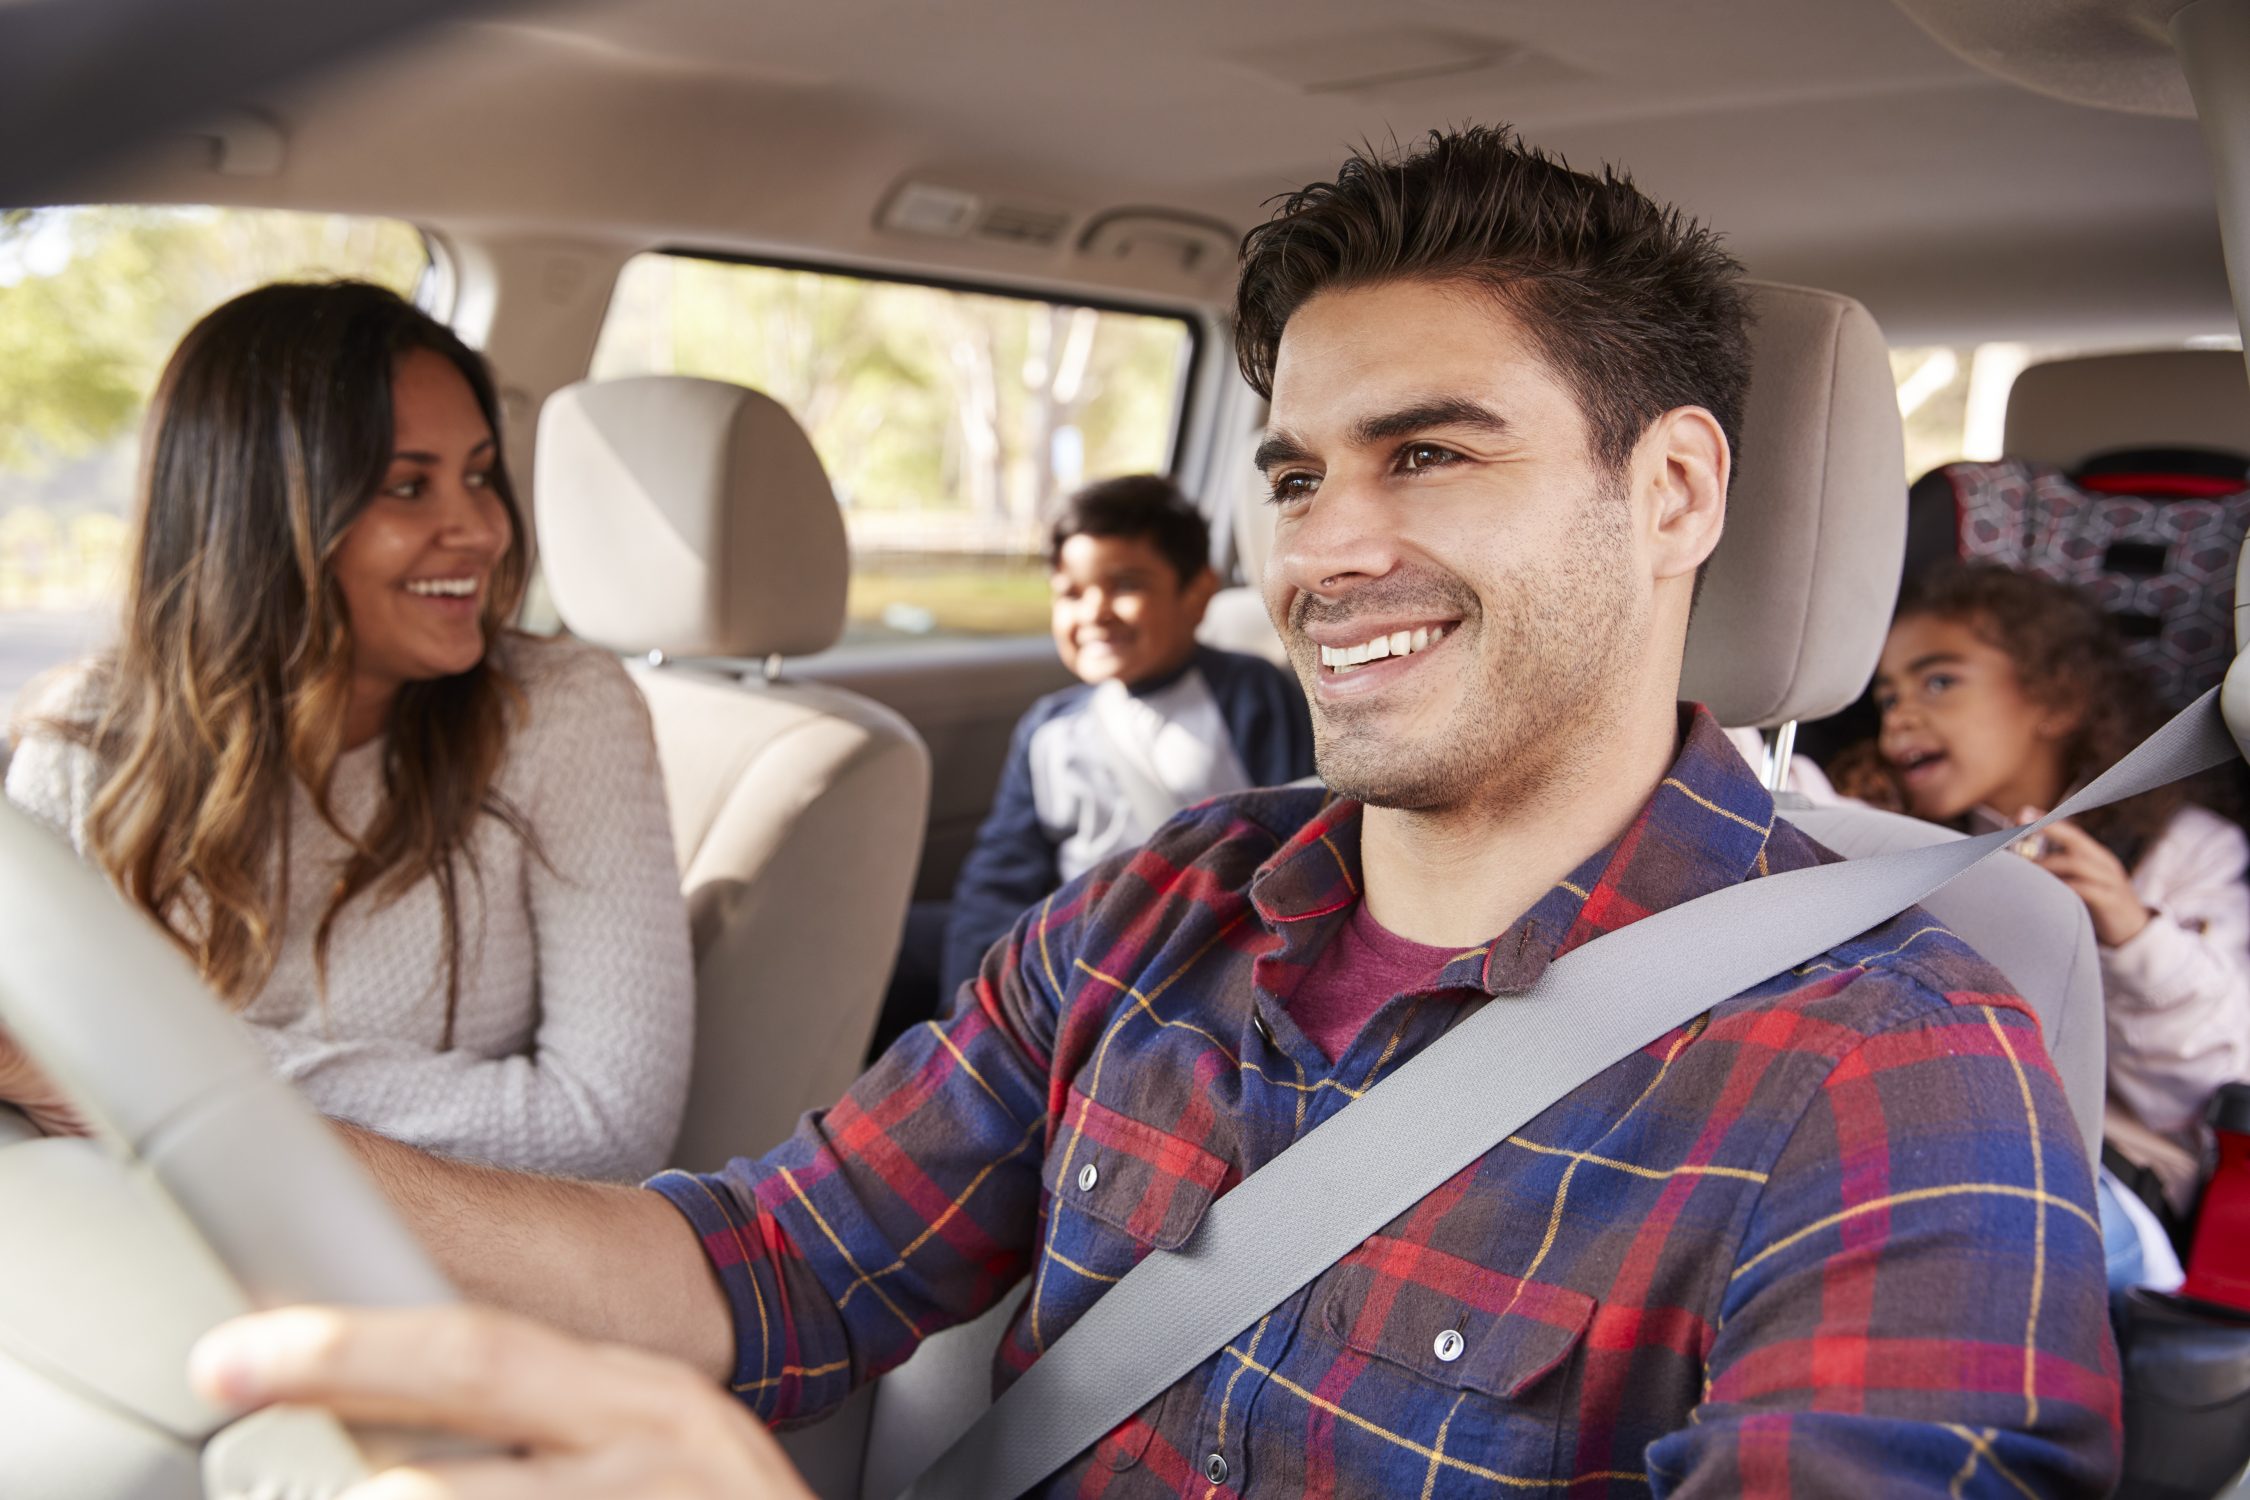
(1157, 724)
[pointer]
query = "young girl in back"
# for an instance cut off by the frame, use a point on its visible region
(2001, 693)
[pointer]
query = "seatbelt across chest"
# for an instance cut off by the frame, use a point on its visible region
(1450, 1104)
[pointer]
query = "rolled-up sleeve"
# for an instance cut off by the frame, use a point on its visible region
(910, 1206)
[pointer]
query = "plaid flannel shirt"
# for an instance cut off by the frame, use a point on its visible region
(1835, 1236)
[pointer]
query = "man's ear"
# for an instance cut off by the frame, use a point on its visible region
(1684, 464)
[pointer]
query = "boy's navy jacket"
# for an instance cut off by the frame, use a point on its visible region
(1016, 861)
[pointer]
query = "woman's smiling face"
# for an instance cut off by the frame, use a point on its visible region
(415, 567)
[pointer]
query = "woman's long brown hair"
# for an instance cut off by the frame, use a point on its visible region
(270, 431)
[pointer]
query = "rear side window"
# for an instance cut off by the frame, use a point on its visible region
(1954, 398)
(950, 421)
(92, 301)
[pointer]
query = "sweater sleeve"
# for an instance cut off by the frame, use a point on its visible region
(49, 776)
(601, 1089)
(2178, 993)
(1011, 867)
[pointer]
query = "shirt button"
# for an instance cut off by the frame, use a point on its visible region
(1264, 1031)
(1215, 1468)
(1449, 1345)
(1088, 1175)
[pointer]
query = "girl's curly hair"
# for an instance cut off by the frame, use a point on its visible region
(2068, 659)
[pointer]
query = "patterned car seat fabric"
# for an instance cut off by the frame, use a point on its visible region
(2151, 533)
(2153, 536)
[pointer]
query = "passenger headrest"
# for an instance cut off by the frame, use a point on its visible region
(1799, 594)
(2068, 410)
(690, 517)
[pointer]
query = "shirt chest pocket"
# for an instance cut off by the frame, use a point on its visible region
(1117, 1189)
(1451, 1357)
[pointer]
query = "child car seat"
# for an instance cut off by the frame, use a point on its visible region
(2219, 1267)
(2128, 475)
(2151, 534)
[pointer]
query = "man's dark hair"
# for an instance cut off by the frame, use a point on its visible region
(1137, 505)
(1635, 306)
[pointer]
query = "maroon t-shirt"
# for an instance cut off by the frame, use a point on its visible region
(1362, 967)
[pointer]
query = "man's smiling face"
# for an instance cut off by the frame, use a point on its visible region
(1455, 575)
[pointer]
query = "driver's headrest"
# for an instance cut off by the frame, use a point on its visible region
(690, 517)
(2066, 411)
(1799, 594)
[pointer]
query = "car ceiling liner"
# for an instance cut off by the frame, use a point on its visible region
(2114, 54)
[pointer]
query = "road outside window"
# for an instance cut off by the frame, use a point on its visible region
(950, 422)
(91, 302)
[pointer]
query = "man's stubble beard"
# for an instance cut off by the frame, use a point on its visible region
(1548, 656)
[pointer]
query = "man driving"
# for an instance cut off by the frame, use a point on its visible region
(1836, 1235)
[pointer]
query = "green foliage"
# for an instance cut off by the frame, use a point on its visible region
(940, 416)
(923, 403)
(93, 299)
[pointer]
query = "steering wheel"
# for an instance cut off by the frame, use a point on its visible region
(209, 1189)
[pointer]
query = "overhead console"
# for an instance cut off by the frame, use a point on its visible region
(1149, 249)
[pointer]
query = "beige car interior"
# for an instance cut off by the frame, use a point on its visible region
(1816, 528)
(542, 148)
(2064, 411)
(689, 523)
(1933, 162)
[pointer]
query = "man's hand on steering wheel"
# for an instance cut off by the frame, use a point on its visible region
(588, 1419)
(28, 1089)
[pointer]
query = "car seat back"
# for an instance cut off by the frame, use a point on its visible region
(689, 521)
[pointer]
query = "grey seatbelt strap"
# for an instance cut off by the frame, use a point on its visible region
(1450, 1104)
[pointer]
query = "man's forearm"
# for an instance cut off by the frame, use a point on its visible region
(601, 1260)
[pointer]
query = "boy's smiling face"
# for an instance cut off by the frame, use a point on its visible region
(1121, 610)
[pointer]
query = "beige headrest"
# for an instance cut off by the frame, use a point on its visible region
(1799, 595)
(2068, 410)
(690, 517)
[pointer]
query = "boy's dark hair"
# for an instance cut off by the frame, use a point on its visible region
(1137, 505)
(1635, 306)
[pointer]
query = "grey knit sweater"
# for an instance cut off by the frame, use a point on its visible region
(571, 1043)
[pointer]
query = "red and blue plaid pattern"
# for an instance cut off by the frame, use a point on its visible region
(1835, 1236)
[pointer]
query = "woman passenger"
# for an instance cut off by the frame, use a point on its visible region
(2001, 693)
(425, 855)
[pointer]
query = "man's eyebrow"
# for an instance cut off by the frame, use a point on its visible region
(1280, 447)
(417, 456)
(1421, 416)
